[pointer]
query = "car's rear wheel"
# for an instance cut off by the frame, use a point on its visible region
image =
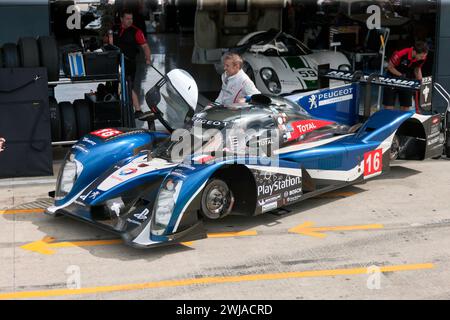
(217, 200)
(395, 148)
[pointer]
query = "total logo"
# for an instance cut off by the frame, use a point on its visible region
(128, 171)
(304, 126)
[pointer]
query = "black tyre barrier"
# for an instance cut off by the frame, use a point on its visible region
(10, 56)
(69, 122)
(49, 57)
(55, 119)
(28, 52)
(83, 117)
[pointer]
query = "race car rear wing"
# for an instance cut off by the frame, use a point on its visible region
(424, 87)
(359, 76)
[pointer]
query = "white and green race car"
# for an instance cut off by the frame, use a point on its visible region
(280, 64)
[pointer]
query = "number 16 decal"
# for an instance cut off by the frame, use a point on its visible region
(373, 163)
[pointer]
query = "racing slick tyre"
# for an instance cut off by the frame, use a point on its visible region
(395, 148)
(49, 57)
(83, 117)
(69, 122)
(217, 200)
(28, 52)
(10, 55)
(55, 119)
(249, 71)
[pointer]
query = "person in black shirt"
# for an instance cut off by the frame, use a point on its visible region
(129, 39)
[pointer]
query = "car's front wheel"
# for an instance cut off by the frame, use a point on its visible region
(217, 200)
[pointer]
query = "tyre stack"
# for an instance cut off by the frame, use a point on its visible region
(69, 121)
(29, 52)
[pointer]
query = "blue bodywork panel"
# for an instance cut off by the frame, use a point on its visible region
(338, 104)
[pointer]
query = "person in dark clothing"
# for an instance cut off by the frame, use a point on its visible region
(129, 39)
(405, 63)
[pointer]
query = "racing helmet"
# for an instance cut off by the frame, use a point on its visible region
(185, 85)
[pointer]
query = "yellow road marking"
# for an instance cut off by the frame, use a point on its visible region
(48, 245)
(336, 195)
(308, 229)
(209, 280)
(233, 234)
(19, 211)
(45, 246)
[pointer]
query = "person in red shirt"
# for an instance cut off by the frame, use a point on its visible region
(405, 63)
(129, 39)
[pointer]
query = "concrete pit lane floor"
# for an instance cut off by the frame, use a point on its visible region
(386, 239)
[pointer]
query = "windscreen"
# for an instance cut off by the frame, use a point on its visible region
(173, 111)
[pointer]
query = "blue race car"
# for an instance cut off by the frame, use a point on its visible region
(153, 188)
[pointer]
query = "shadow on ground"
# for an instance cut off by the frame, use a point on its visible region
(65, 229)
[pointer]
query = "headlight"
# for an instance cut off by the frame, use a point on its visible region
(70, 171)
(273, 87)
(271, 80)
(164, 205)
(266, 74)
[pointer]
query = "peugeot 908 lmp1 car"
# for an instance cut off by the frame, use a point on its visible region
(152, 189)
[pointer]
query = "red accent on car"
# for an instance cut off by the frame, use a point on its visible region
(373, 162)
(106, 133)
(305, 126)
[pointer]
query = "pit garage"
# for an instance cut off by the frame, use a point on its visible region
(330, 196)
